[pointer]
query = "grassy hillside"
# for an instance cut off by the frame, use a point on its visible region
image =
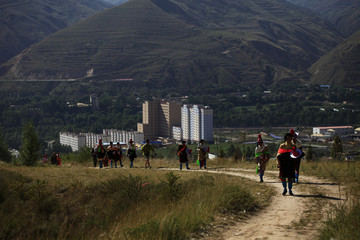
(77, 202)
(345, 14)
(25, 22)
(183, 44)
(341, 66)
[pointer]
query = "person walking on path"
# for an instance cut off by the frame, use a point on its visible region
(262, 156)
(93, 154)
(100, 153)
(53, 159)
(285, 163)
(111, 154)
(58, 159)
(297, 160)
(202, 151)
(131, 152)
(118, 154)
(183, 155)
(146, 150)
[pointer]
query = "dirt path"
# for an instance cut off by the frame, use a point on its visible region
(287, 217)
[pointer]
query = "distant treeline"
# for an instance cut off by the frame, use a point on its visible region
(47, 105)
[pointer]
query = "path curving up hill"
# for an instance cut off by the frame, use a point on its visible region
(287, 217)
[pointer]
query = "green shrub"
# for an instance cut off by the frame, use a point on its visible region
(236, 200)
(345, 225)
(171, 189)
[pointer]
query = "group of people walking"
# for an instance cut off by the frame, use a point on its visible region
(288, 157)
(288, 160)
(185, 155)
(114, 154)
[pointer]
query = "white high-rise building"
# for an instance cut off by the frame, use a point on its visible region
(75, 141)
(185, 122)
(197, 123)
(207, 124)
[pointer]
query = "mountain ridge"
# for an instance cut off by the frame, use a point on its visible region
(23, 23)
(341, 66)
(184, 43)
(345, 14)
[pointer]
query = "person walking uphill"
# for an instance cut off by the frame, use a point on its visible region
(202, 152)
(183, 155)
(100, 153)
(285, 163)
(262, 156)
(131, 152)
(297, 160)
(147, 149)
(118, 154)
(93, 154)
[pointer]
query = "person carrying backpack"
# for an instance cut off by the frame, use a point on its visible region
(147, 149)
(131, 152)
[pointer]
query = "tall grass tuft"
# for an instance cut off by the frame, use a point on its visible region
(344, 225)
(78, 203)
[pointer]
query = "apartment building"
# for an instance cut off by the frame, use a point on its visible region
(158, 119)
(207, 124)
(185, 122)
(197, 123)
(123, 137)
(333, 130)
(75, 141)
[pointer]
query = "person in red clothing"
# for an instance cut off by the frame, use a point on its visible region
(58, 159)
(285, 163)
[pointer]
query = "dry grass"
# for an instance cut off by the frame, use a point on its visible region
(77, 201)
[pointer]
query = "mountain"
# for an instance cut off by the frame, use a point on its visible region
(341, 66)
(25, 22)
(173, 43)
(345, 14)
(116, 2)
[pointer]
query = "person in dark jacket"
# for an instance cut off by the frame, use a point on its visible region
(285, 163)
(131, 152)
(183, 155)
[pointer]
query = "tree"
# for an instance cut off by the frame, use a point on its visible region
(30, 147)
(221, 153)
(309, 154)
(336, 148)
(5, 155)
(230, 151)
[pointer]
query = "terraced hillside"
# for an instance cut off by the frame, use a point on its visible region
(183, 44)
(345, 14)
(25, 22)
(341, 66)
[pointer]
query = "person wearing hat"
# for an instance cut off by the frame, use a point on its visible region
(262, 156)
(131, 152)
(100, 153)
(118, 154)
(183, 155)
(110, 153)
(202, 151)
(147, 149)
(285, 163)
(297, 143)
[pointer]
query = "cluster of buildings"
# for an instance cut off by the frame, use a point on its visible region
(160, 120)
(78, 141)
(326, 132)
(178, 122)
